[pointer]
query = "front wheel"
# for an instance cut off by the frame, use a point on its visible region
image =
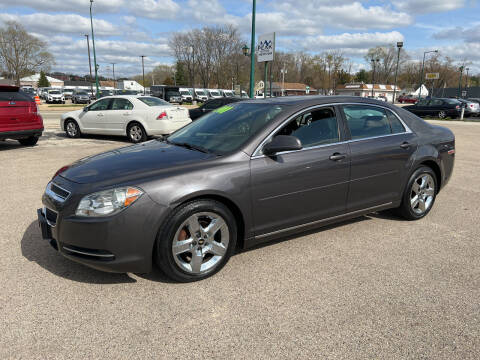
(72, 129)
(442, 115)
(419, 195)
(196, 241)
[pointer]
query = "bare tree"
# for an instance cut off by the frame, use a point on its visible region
(21, 53)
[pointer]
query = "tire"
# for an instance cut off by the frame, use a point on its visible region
(30, 141)
(72, 129)
(213, 248)
(442, 114)
(415, 209)
(136, 133)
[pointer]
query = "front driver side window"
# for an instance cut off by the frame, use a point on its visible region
(318, 127)
(100, 105)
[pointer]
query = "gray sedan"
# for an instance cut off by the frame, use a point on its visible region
(241, 175)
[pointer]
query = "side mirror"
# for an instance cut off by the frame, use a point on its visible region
(85, 109)
(282, 143)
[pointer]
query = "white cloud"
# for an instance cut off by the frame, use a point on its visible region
(429, 6)
(470, 34)
(56, 24)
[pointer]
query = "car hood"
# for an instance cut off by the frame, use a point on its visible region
(133, 162)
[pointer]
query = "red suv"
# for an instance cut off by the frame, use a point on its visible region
(407, 99)
(19, 117)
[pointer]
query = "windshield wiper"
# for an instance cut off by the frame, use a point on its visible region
(190, 146)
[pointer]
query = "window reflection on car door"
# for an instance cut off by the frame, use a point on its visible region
(298, 187)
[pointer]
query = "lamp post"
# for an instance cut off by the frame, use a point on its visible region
(113, 73)
(143, 72)
(399, 47)
(94, 53)
(460, 82)
(194, 96)
(283, 71)
(466, 81)
(374, 63)
(423, 68)
(89, 64)
(252, 52)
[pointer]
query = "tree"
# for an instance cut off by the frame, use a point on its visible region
(21, 53)
(180, 75)
(362, 76)
(43, 81)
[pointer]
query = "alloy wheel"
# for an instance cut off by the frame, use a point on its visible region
(422, 194)
(442, 114)
(71, 129)
(136, 133)
(200, 242)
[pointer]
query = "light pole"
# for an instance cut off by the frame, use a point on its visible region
(399, 46)
(143, 72)
(374, 62)
(89, 64)
(113, 73)
(460, 82)
(423, 68)
(283, 71)
(94, 54)
(194, 101)
(466, 81)
(252, 52)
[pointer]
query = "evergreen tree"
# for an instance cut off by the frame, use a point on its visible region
(180, 75)
(43, 81)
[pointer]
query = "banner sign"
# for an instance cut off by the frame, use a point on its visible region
(266, 47)
(432, 76)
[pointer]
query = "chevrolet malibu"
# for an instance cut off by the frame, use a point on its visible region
(136, 117)
(241, 175)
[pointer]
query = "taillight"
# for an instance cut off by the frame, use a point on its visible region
(162, 115)
(457, 107)
(471, 105)
(61, 170)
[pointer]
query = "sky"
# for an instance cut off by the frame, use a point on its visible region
(126, 29)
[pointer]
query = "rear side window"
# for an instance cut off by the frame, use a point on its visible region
(14, 96)
(367, 121)
(314, 128)
(435, 102)
(395, 123)
(121, 104)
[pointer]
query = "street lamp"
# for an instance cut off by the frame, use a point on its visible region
(374, 63)
(460, 82)
(283, 71)
(245, 50)
(113, 73)
(90, 65)
(94, 54)
(143, 71)
(399, 46)
(252, 52)
(423, 68)
(466, 82)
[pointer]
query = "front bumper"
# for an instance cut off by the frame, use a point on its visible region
(120, 243)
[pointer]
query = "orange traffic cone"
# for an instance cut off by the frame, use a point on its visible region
(37, 100)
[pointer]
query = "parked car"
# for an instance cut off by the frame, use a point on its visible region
(407, 99)
(30, 91)
(136, 117)
(201, 95)
(186, 96)
(80, 97)
(213, 93)
(472, 108)
(210, 105)
(259, 170)
(441, 108)
(67, 93)
(55, 96)
(168, 93)
(19, 117)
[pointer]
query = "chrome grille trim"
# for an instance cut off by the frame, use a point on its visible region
(57, 195)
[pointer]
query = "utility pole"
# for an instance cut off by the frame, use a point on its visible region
(194, 96)
(466, 82)
(143, 71)
(265, 84)
(252, 53)
(89, 64)
(373, 74)
(399, 46)
(97, 84)
(283, 71)
(460, 82)
(113, 70)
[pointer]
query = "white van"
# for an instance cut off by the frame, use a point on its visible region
(201, 95)
(186, 95)
(214, 93)
(228, 93)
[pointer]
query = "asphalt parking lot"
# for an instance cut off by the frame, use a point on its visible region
(375, 287)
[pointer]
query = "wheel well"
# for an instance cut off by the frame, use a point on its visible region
(69, 119)
(436, 169)
(134, 122)
(233, 208)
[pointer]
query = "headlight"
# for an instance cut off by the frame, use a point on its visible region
(108, 202)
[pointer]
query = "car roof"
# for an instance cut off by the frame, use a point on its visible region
(315, 100)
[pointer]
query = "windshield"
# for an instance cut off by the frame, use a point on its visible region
(227, 128)
(54, 92)
(173, 93)
(153, 101)
(82, 93)
(214, 93)
(452, 101)
(184, 92)
(199, 92)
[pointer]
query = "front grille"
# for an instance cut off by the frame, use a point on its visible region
(51, 217)
(60, 192)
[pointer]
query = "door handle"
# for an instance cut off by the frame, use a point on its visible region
(405, 145)
(99, 114)
(337, 157)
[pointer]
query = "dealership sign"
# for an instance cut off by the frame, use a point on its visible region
(432, 76)
(266, 47)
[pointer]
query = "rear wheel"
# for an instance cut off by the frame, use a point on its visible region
(196, 241)
(72, 129)
(442, 114)
(136, 133)
(420, 194)
(30, 141)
